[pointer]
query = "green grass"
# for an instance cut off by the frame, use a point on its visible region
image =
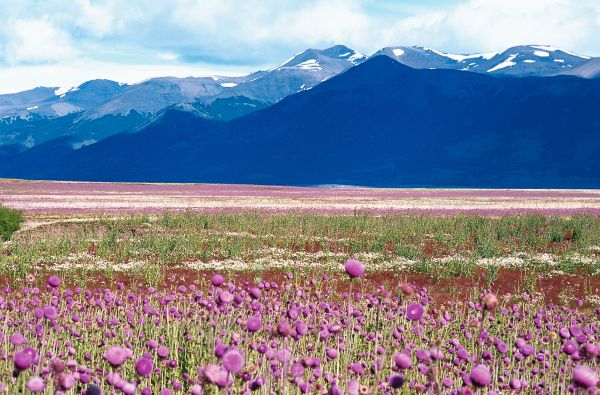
(174, 238)
(10, 221)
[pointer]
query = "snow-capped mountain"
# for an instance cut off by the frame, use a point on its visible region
(148, 97)
(301, 72)
(50, 102)
(378, 124)
(526, 60)
(101, 108)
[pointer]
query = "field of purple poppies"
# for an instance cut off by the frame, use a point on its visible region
(293, 335)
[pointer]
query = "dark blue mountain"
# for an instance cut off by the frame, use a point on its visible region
(378, 124)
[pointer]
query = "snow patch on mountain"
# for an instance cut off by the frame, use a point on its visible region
(398, 52)
(550, 48)
(507, 63)
(228, 84)
(310, 64)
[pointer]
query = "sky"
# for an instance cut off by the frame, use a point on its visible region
(62, 43)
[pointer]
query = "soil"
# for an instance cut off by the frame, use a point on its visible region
(563, 289)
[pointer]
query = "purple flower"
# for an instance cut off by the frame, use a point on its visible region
(66, 381)
(93, 390)
(35, 384)
(53, 281)
(515, 384)
(144, 367)
(253, 323)
(162, 352)
(591, 350)
(395, 381)
(216, 375)
(50, 313)
(403, 360)
(17, 339)
(414, 311)
(297, 370)
(217, 280)
(331, 353)
(116, 356)
(357, 368)
(24, 358)
(129, 388)
(481, 376)
(254, 293)
(585, 377)
(233, 361)
(570, 347)
(354, 268)
(225, 297)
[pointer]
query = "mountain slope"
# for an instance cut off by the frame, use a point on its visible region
(524, 60)
(101, 108)
(301, 72)
(378, 124)
(590, 69)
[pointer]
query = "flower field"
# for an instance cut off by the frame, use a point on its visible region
(294, 335)
(208, 289)
(80, 198)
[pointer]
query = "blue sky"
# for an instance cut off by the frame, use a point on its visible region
(63, 43)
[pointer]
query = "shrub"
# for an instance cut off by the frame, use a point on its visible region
(10, 221)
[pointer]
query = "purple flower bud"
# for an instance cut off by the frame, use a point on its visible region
(217, 280)
(23, 359)
(93, 390)
(50, 313)
(253, 323)
(414, 311)
(216, 375)
(144, 367)
(17, 339)
(162, 352)
(481, 376)
(331, 353)
(585, 377)
(116, 356)
(403, 361)
(354, 268)
(297, 370)
(396, 381)
(66, 381)
(233, 361)
(569, 347)
(35, 384)
(53, 281)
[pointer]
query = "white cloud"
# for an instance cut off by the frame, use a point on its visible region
(484, 25)
(99, 19)
(36, 41)
(71, 74)
(167, 56)
(191, 34)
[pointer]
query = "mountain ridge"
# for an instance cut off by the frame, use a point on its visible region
(378, 124)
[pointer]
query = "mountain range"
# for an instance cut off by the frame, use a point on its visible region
(526, 117)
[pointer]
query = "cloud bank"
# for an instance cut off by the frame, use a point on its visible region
(56, 42)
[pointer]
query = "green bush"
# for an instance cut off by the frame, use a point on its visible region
(10, 221)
